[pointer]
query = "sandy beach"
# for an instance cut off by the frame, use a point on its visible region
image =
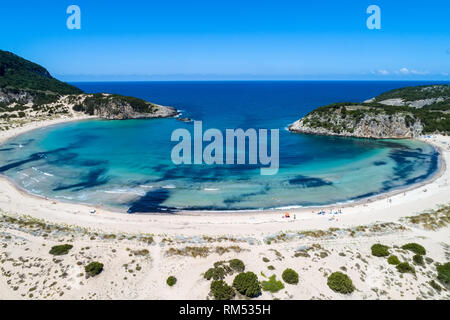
(250, 236)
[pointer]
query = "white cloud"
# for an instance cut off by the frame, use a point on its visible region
(404, 71)
(422, 73)
(383, 72)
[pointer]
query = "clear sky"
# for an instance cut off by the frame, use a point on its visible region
(231, 39)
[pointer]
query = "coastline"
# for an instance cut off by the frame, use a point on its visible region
(140, 251)
(268, 216)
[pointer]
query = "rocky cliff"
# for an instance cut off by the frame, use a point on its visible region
(28, 92)
(368, 126)
(402, 113)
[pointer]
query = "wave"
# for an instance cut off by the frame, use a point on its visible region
(42, 172)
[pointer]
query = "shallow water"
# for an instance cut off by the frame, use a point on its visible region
(126, 164)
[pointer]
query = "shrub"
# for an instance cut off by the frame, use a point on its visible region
(265, 259)
(247, 284)
(61, 249)
(405, 267)
(418, 259)
(393, 260)
(435, 286)
(93, 269)
(221, 290)
(237, 265)
(217, 273)
(415, 247)
(444, 272)
(290, 276)
(273, 285)
(340, 282)
(171, 281)
(379, 250)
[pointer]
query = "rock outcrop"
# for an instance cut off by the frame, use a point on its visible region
(369, 126)
(401, 113)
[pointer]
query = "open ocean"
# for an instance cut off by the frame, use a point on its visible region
(126, 165)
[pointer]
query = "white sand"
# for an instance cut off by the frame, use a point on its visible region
(150, 282)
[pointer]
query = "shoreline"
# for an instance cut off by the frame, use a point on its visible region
(192, 217)
(345, 204)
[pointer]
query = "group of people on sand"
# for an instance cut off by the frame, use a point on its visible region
(332, 212)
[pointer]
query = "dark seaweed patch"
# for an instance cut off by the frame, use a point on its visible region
(245, 196)
(32, 158)
(151, 202)
(309, 182)
(92, 179)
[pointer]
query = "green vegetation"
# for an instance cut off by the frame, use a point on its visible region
(171, 281)
(444, 273)
(18, 73)
(219, 271)
(221, 290)
(93, 269)
(393, 260)
(340, 282)
(237, 265)
(61, 249)
(273, 285)
(379, 250)
(433, 219)
(247, 284)
(434, 117)
(405, 267)
(416, 93)
(99, 100)
(290, 276)
(418, 259)
(435, 286)
(415, 247)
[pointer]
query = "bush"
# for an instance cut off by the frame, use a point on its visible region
(171, 281)
(418, 259)
(61, 249)
(273, 285)
(379, 250)
(93, 269)
(237, 265)
(340, 282)
(435, 286)
(405, 267)
(247, 284)
(393, 260)
(217, 273)
(444, 272)
(415, 247)
(221, 290)
(290, 276)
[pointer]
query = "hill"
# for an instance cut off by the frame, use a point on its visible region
(402, 113)
(29, 93)
(18, 73)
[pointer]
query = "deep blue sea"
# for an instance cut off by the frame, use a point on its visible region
(126, 165)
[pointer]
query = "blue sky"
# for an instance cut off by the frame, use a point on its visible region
(223, 40)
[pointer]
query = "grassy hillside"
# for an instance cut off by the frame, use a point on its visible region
(416, 93)
(435, 117)
(18, 73)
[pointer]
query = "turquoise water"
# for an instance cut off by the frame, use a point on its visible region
(126, 164)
